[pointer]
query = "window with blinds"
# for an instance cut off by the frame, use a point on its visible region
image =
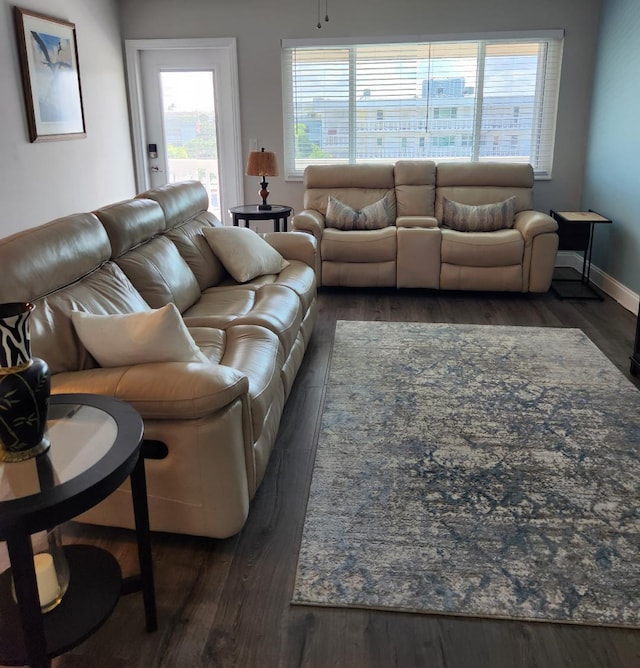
(471, 99)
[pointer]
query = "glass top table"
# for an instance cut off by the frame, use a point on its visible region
(81, 435)
(95, 446)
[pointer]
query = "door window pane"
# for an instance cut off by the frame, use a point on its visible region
(189, 121)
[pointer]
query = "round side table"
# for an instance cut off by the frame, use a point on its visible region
(95, 446)
(277, 213)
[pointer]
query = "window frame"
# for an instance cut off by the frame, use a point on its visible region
(545, 98)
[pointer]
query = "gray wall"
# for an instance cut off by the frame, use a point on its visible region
(259, 26)
(612, 177)
(42, 181)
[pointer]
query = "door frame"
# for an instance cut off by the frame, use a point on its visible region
(230, 139)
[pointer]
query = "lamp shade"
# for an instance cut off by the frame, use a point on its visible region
(262, 163)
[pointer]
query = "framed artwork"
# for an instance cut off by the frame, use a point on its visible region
(50, 76)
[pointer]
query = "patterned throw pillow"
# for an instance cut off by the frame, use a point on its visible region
(372, 217)
(482, 218)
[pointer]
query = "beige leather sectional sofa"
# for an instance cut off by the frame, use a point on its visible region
(218, 418)
(417, 250)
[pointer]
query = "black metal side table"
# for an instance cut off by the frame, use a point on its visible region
(277, 213)
(575, 232)
(95, 446)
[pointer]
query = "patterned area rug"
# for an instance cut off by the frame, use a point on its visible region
(475, 470)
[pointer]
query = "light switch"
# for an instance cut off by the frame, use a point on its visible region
(253, 145)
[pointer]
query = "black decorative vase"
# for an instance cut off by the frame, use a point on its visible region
(25, 386)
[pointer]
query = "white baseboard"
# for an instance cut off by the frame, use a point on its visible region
(621, 293)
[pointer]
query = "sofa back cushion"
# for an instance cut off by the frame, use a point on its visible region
(160, 274)
(40, 260)
(179, 201)
(196, 252)
(151, 260)
(105, 291)
(61, 266)
(131, 223)
(484, 183)
(415, 184)
(185, 206)
(357, 186)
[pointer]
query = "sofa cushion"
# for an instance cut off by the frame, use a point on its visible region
(359, 246)
(67, 249)
(355, 185)
(160, 274)
(485, 174)
(196, 252)
(415, 184)
(381, 213)
(274, 307)
(184, 207)
(479, 249)
(179, 201)
(483, 218)
(106, 290)
(244, 254)
(363, 175)
(157, 335)
(131, 223)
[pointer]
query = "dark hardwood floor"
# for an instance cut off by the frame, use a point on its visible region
(227, 602)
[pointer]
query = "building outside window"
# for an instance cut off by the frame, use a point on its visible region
(471, 99)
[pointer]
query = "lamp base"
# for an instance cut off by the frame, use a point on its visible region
(264, 193)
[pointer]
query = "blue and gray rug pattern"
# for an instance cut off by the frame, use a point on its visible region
(475, 470)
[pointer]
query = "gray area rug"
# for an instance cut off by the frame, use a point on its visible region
(475, 470)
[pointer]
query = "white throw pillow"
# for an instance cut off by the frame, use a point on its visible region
(157, 335)
(243, 253)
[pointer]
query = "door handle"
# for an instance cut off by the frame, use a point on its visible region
(155, 169)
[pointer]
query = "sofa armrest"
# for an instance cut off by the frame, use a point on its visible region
(310, 221)
(196, 389)
(532, 223)
(417, 221)
(294, 246)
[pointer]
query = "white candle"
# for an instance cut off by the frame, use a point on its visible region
(48, 587)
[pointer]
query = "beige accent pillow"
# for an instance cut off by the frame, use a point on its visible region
(482, 218)
(157, 335)
(243, 253)
(371, 217)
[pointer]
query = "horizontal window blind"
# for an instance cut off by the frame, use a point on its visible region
(469, 99)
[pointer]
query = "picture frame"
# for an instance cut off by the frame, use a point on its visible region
(48, 54)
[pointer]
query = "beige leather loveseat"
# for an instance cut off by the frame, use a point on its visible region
(416, 248)
(217, 415)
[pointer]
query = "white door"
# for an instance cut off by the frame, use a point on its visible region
(188, 120)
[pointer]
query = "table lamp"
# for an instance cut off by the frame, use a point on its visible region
(262, 163)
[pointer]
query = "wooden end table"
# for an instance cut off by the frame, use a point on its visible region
(95, 446)
(575, 232)
(276, 213)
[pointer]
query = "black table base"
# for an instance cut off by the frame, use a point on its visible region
(94, 589)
